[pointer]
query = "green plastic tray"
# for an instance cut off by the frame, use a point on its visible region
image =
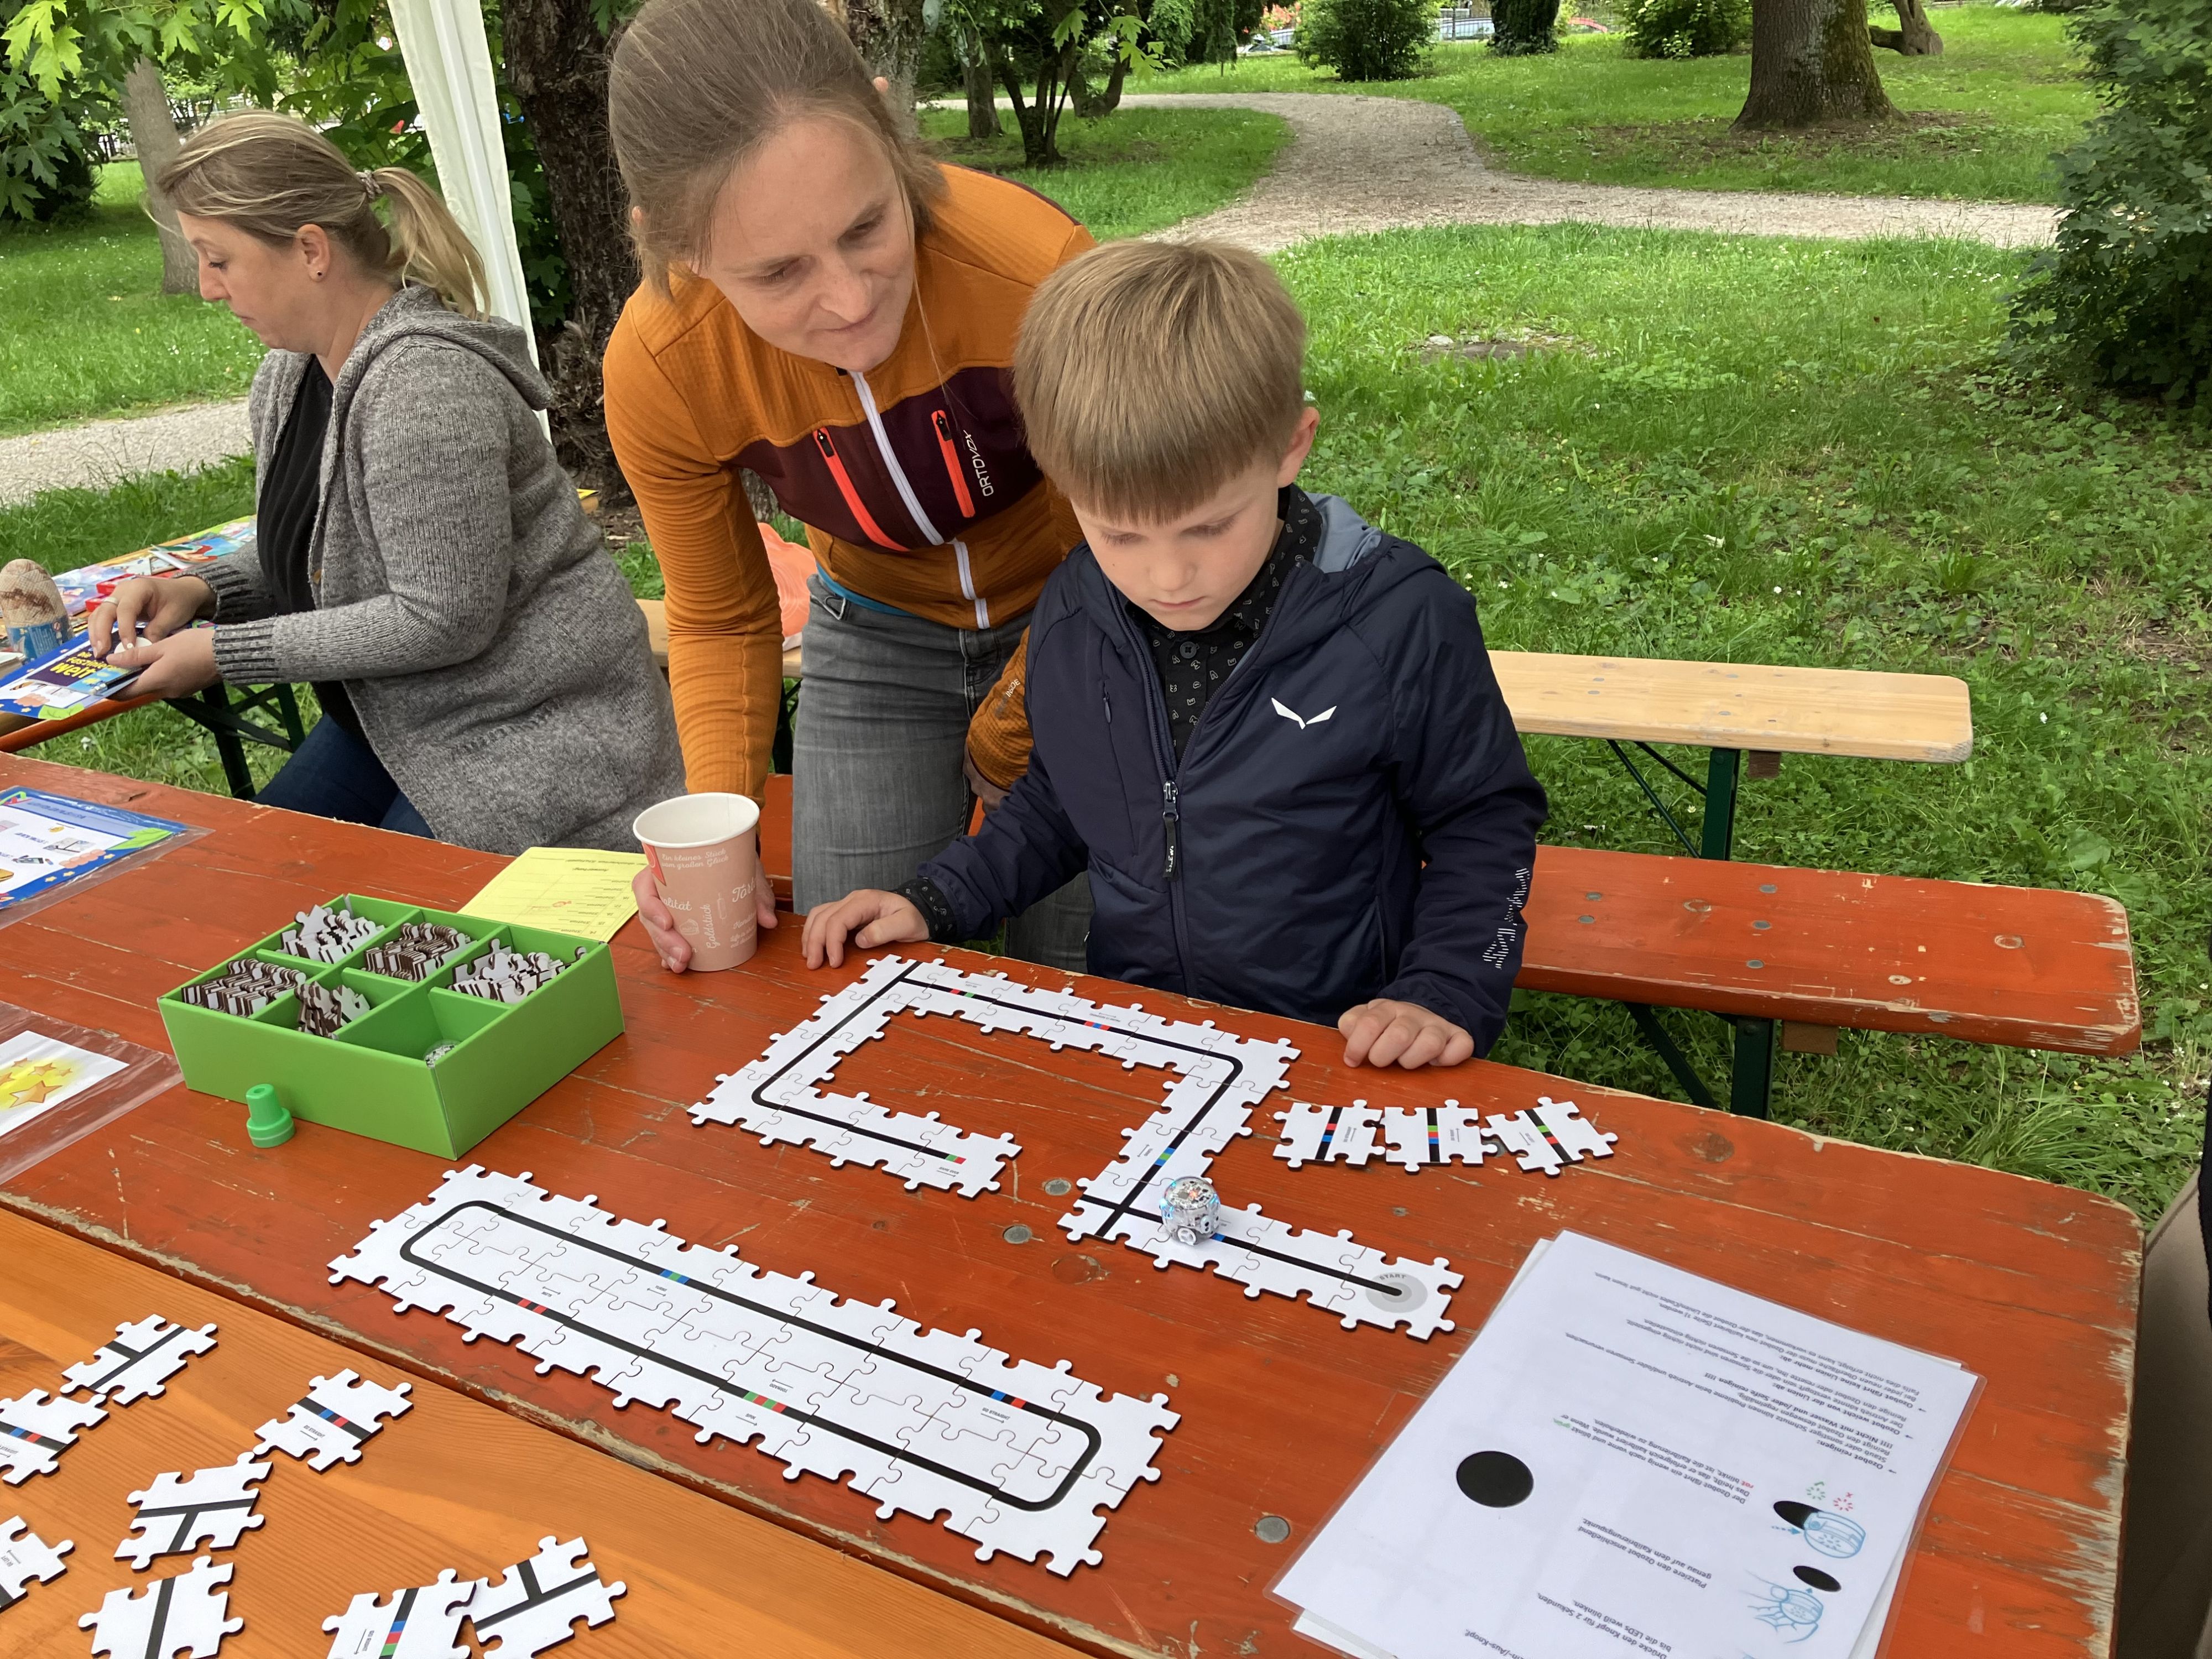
(370, 1077)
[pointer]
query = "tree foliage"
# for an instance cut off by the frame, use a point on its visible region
(1368, 40)
(61, 62)
(1684, 28)
(2125, 296)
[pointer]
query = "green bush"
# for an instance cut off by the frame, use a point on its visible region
(1683, 28)
(1523, 27)
(2123, 298)
(1368, 40)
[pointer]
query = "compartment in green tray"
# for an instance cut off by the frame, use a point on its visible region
(370, 1077)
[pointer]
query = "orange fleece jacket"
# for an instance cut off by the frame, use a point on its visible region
(913, 480)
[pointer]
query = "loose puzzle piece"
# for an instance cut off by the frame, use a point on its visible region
(24, 1556)
(423, 1623)
(35, 1430)
(142, 1357)
(936, 1424)
(331, 1423)
(1571, 1132)
(181, 1614)
(534, 1604)
(176, 1515)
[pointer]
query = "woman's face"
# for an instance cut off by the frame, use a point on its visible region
(269, 287)
(812, 241)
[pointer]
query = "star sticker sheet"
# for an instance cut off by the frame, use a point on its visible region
(58, 1081)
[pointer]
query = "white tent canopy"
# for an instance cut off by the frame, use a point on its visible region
(449, 65)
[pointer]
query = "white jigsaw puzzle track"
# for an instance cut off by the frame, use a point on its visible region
(141, 1357)
(1016, 1456)
(26, 1559)
(775, 1096)
(1548, 1136)
(35, 1430)
(1220, 1077)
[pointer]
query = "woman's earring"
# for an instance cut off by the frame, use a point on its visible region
(317, 275)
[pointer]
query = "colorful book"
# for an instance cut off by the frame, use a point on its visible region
(63, 683)
(82, 588)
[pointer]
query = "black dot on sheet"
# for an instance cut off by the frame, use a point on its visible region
(1496, 1479)
(1817, 1579)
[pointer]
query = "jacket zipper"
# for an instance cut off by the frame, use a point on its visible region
(904, 485)
(942, 422)
(1170, 819)
(869, 527)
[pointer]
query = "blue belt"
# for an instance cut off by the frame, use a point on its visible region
(860, 599)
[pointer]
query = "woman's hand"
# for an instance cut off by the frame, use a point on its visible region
(1382, 1032)
(673, 949)
(165, 604)
(869, 917)
(172, 667)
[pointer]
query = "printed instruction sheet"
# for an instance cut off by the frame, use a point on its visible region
(1634, 1463)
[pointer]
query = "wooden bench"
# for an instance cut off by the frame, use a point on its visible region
(1733, 709)
(1764, 946)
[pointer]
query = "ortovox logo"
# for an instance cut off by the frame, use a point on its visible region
(1303, 720)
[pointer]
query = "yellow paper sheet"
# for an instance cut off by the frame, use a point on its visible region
(567, 889)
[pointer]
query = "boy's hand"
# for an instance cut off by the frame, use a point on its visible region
(869, 918)
(1384, 1033)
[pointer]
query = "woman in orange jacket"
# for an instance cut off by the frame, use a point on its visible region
(829, 307)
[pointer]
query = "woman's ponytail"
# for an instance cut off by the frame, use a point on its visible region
(428, 243)
(270, 174)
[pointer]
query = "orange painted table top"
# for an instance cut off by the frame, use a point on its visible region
(2033, 1286)
(449, 1483)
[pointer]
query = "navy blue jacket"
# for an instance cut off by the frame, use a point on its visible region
(1353, 817)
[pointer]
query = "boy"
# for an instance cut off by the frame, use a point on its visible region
(1270, 730)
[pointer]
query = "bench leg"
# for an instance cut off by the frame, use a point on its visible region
(1718, 830)
(1752, 1085)
(1677, 1062)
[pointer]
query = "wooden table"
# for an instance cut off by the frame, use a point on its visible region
(2031, 1285)
(450, 1483)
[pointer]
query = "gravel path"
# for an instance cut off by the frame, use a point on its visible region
(1357, 164)
(103, 453)
(1353, 164)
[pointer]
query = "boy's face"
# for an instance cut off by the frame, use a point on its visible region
(1184, 572)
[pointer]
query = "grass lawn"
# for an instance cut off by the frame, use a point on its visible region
(1753, 450)
(1137, 171)
(1980, 122)
(88, 331)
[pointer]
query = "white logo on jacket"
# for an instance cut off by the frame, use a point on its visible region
(1303, 720)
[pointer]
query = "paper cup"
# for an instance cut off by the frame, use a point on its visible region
(700, 849)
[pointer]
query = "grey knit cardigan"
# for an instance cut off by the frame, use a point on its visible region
(491, 647)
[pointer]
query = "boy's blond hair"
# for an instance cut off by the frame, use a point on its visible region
(1151, 373)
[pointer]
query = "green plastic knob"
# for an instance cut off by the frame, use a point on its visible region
(267, 1123)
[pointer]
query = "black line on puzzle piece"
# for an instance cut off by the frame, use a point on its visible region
(838, 1122)
(399, 1613)
(724, 1385)
(533, 1597)
(130, 1358)
(163, 1592)
(1274, 1255)
(8, 1600)
(197, 1508)
(16, 1433)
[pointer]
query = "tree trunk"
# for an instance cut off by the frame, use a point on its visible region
(1914, 36)
(556, 64)
(1812, 61)
(1523, 27)
(982, 96)
(890, 34)
(1037, 145)
(1094, 106)
(153, 136)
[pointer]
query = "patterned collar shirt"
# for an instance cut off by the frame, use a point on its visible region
(1193, 665)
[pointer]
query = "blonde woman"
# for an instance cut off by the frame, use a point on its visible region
(829, 306)
(421, 557)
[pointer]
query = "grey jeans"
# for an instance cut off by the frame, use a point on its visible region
(877, 786)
